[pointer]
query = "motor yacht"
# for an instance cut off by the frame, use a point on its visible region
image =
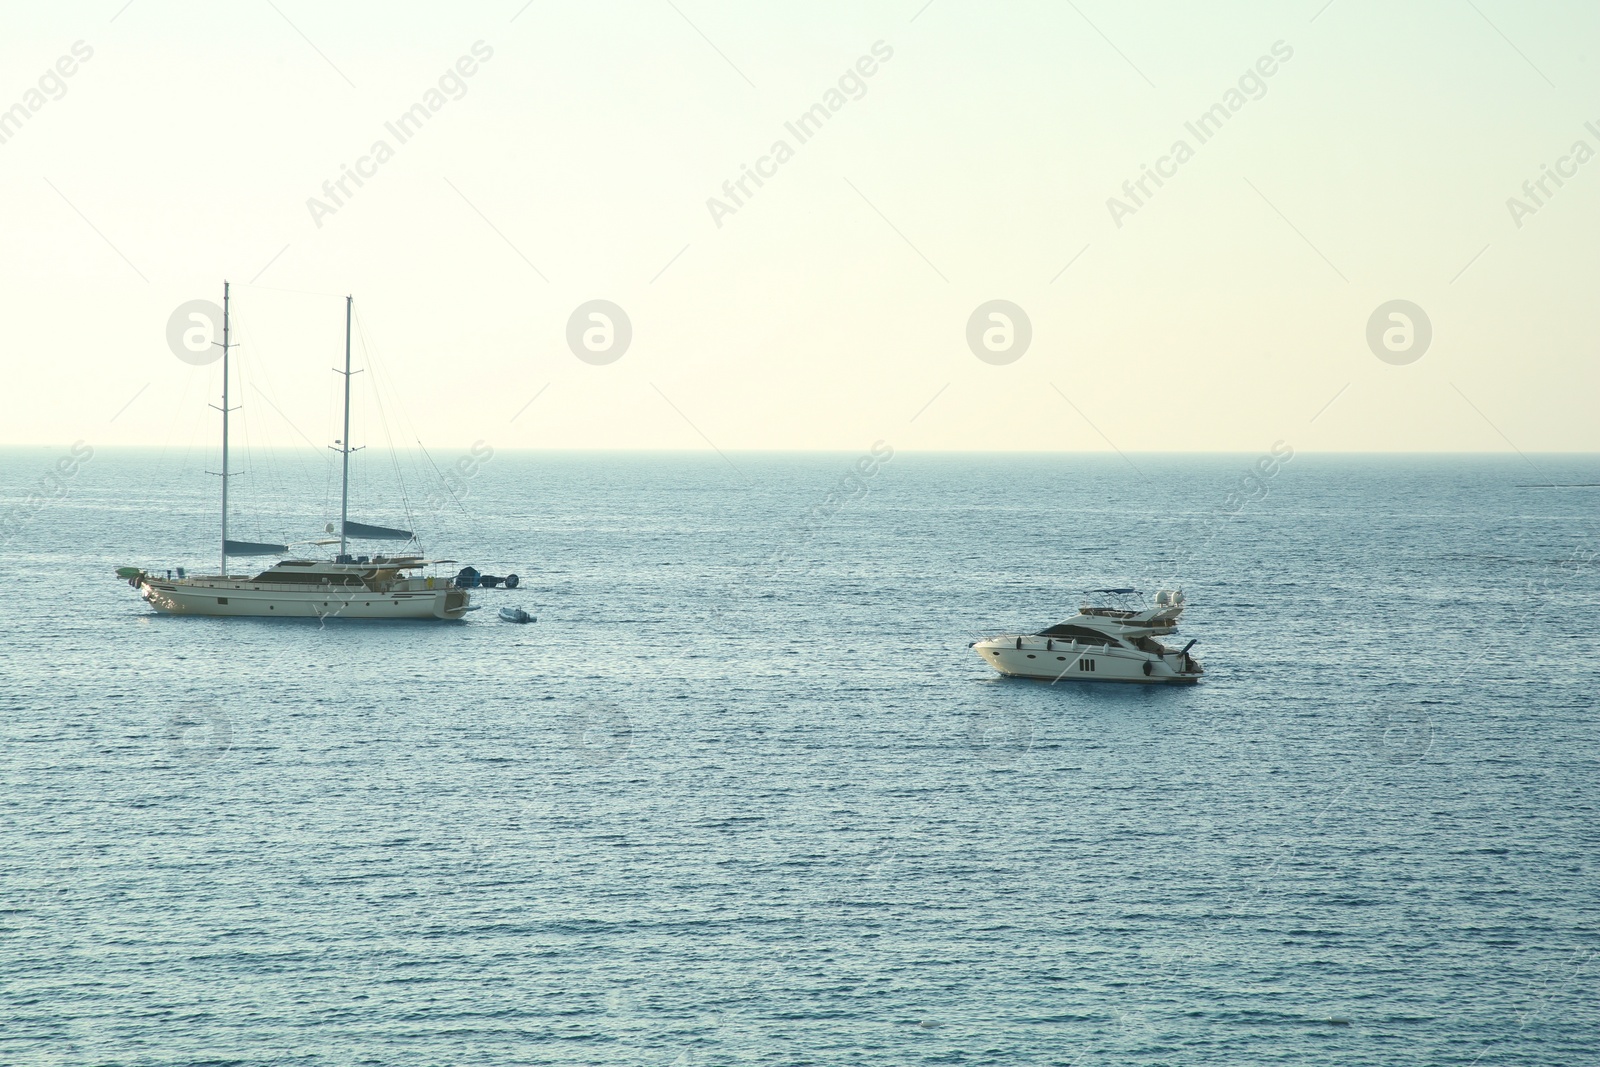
(1113, 638)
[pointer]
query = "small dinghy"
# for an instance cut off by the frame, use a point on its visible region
(515, 615)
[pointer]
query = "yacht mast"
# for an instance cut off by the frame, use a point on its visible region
(344, 443)
(225, 347)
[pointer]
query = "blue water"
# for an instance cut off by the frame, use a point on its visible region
(710, 809)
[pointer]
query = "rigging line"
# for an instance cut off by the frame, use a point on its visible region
(186, 441)
(369, 349)
(358, 474)
(262, 461)
(266, 395)
(380, 382)
(242, 425)
(197, 412)
(260, 455)
(401, 415)
(245, 428)
(327, 493)
(367, 398)
(394, 459)
(315, 450)
(442, 480)
(271, 500)
(330, 404)
(281, 289)
(239, 443)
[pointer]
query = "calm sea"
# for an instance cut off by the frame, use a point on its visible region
(744, 795)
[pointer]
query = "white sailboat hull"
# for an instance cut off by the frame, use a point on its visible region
(420, 598)
(348, 587)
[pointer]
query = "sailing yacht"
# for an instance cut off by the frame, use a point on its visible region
(350, 586)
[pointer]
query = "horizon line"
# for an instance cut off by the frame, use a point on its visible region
(897, 451)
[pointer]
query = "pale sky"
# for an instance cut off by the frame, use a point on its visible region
(1228, 310)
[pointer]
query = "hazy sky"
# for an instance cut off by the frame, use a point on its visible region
(1357, 153)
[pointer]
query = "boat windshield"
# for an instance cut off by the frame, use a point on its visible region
(1074, 632)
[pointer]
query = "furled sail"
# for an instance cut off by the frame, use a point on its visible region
(253, 548)
(365, 532)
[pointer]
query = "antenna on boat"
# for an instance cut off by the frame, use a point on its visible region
(344, 442)
(226, 345)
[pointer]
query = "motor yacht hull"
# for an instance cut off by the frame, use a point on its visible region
(1032, 656)
(411, 599)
